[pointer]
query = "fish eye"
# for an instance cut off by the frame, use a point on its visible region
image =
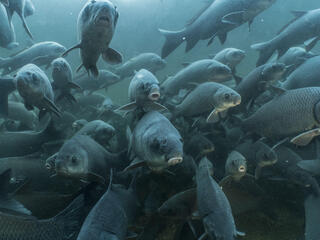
(227, 96)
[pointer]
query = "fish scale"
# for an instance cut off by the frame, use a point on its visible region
(288, 114)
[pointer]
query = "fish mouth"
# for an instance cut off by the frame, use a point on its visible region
(242, 169)
(103, 20)
(154, 96)
(175, 160)
(237, 101)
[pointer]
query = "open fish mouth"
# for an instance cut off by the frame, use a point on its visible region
(154, 96)
(175, 160)
(103, 20)
(242, 169)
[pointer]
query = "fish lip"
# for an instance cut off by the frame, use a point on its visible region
(154, 96)
(102, 20)
(242, 169)
(237, 101)
(175, 160)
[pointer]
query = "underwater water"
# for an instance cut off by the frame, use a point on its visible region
(170, 120)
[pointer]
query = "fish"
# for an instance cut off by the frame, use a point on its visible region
(213, 206)
(97, 22)
(312, 213)
(35, 88)
(7, 86)
(18, 6)
(83, 158)
(198, 145)
(303, 28)
(8, 35)
(29, 8)
(215, 20)
(298, 105)
(306, 75)
(258, 80)
(110, 217)
(144, 91)
(235, 167)
(210, 97)
(294, 57)
(311, 166)
(62, 80)
(103, 81)
(60, 227)
(40, 54)
(198, 72)
(149, 61)
(17, 112)
(99, 131)
(155, 142)
(231, 57)
(15, 144)
(5, 2)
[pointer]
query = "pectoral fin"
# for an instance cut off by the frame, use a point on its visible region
(305, 138)
(128, 107)
(112, 56)
(234, 18)
(136, 163)
(213, 117)
(48, 104)
(312, 166)
(70, 49)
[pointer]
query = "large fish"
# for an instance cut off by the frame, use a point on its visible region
(24, 227)
(149, 61)
(18, 6)
(208, 97)
(293, 112)
(198, 72)
(144, 92)
(156, 142)
(62, 80)
(90, 84)
(40, 54)
(214, 207)
(306, 75)
(216, 20)
(96, 25)
(35, 88)
(305, 27)
(7, 86)
(8, 35)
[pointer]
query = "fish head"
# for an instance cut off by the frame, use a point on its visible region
(29, 84)
(72, 161)
(273, 72)
(168, 149)
(265, 156)
(104, 133)
(226, 98)
(158, 62)
(100, 14)
(219, 72)
(235, 56)
(236, 165)
(78, 124)
(56, 49)
(59, 66)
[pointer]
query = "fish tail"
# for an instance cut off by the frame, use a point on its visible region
(266, 50)
(70, 218)
(173, 40)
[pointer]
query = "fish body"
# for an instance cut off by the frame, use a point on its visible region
(8, 35)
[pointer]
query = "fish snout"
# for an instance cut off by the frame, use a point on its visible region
(237, 100)
(175, 160)
(242, 169)
(154, 95)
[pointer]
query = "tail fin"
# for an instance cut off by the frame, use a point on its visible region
(7, 86)
(173, 40)
(266, 50)
(70, 218)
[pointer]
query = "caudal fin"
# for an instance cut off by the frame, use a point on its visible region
(173, 40)
(266, 50)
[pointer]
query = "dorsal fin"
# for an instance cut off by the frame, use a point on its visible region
(297, 15)
(201, 11)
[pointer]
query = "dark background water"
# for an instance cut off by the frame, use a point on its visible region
(137, 30)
